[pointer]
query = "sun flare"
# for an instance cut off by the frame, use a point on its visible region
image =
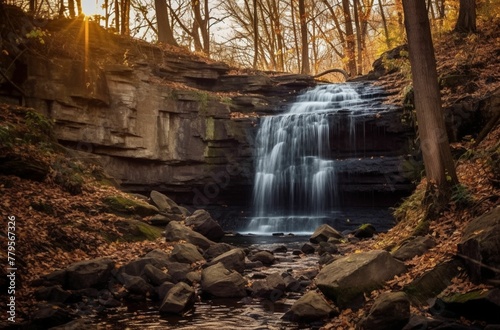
(91, 7)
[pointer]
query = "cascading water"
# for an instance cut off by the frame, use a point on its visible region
(295, 187)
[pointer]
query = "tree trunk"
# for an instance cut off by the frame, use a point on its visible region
(125, 14)
(439, 165)
(306, 69)
(350, 39)
(71, 8)
(359, 36)
(466, 21)
(384, 21)
(165, 33)
(255, 22)
(117, 15)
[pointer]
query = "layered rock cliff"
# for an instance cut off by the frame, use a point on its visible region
(164, 119)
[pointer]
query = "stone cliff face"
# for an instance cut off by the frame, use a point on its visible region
(165, 120)
(158, 119)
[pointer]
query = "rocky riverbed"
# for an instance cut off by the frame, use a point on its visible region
(270, 283)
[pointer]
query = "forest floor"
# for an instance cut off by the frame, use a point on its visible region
(56, 225)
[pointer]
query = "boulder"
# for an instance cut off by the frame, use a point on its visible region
(53, 293)
(233, 260)
(291, 283)
(480, 305)
(155, 276)
(89, 273)
(365, 231)
(216, 250)
(327, 247)
(123, 205)
(203, 223)
(308, 248)
(176, 231)
(136, 267)
(136, 285)
(178, 270)
(161, 257)
(266, 257)
(413, 247)
(163, 289)
(313, 306)
(391, 311)
(430, 284)
(186, 253)
(48, 316)
(346, 279)
(272, 287)
(163, 220)
(164, 204)
(221, 282)
(323, 233)
(179, 298)
(480, 246)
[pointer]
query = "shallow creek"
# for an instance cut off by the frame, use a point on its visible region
(220, 314)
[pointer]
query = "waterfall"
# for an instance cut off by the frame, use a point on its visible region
(295, 188)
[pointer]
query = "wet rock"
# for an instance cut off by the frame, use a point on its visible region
(176, 232)
(272, 287)
(203, 223)
(326, 247)
(53, 293)
(291, 283)
(107, 299)
(155, 276)
(186, 253)
(221, 282)
(48, 316)
(280, 249)
(90, 273)
(216, 250)
(193, 277)
(178, 270)
(434, 281)
(325, 259)
(346, 279)
(164, 204)
(413, 247)
(365, 231)
(136, 267)
(253, 264)
(163, 289)
(323, 233)
(179, 298)
(480, 246)
(232, 260)
(266, 257)
(313, 306)
(136, 285)
(307, 248)
(390, 311)
(481, 305)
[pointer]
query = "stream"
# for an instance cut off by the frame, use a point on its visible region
(246, 313)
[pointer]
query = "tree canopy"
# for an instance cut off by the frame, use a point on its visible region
(292, 36)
